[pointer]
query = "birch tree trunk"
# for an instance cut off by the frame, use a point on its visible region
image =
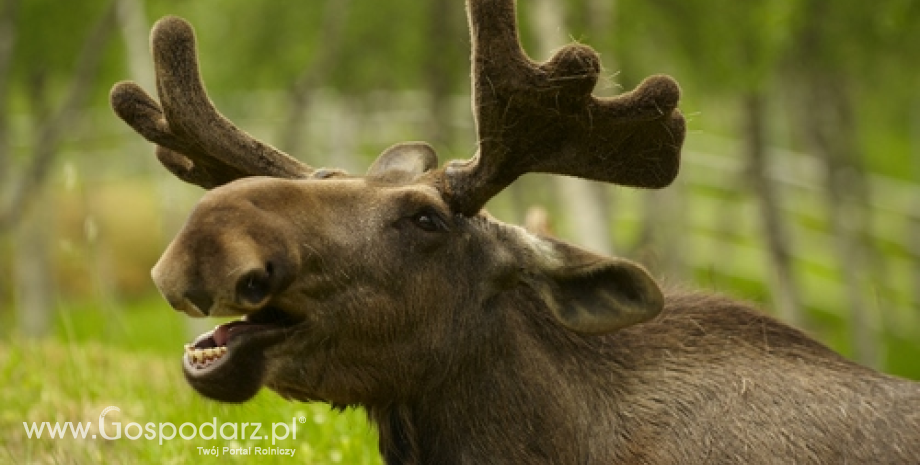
(34, 289)
(660, 245)
(341, 141)
(784, 290)
(132, 21)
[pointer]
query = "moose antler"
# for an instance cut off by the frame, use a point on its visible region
(541, 117)
(530, 117)
(194, 141)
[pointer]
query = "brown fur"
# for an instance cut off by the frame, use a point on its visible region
(710, 381)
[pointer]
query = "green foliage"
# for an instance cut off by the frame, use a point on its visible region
(126, 355)
(48, 36)
(47, 46)
(271, 44)
(727, 46)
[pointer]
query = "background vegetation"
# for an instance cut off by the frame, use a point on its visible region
(799, 188)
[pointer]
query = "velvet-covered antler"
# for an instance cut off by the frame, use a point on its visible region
(530, 117)
(194, 141)
(541, 117)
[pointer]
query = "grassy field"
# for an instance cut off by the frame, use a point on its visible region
(71, 378)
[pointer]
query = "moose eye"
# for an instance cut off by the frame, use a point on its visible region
(428, 221)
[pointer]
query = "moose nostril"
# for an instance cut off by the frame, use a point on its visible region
(254, 286)
(200, 299)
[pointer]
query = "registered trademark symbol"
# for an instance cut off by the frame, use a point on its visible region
(302, 419)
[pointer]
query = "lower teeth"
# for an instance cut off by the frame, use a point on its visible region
(204, 357)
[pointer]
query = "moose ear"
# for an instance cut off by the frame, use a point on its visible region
(407, 159)
(592, 294)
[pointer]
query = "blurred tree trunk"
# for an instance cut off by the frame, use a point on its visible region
(731, 209)
(341, 143)
(785, 292)
(913, 230)
(585, 202)
(601, 15)
(661, 242)
(32, 258)
(53, 126)
(8, 13)
(587, 212)
(443, 34)
(828, 121)
(33, 272)
(335, 16)
(33, 269)
(134, 26)
(132, 21)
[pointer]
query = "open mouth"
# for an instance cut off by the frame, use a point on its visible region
(215, 348)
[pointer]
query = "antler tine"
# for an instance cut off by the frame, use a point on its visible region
(541, 117)
(195, 142)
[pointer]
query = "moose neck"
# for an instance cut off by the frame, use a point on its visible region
(528, 384)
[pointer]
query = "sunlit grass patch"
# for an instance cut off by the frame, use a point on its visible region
(59, 382)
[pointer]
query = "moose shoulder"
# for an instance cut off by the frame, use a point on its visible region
(468, 340)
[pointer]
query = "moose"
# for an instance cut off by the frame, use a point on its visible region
(468, 340)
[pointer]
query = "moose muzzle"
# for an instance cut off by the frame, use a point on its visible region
(203, 277)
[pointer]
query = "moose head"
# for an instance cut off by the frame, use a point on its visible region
(372, 290)
(359, 289)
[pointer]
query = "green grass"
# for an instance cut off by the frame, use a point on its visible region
(72, 377)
